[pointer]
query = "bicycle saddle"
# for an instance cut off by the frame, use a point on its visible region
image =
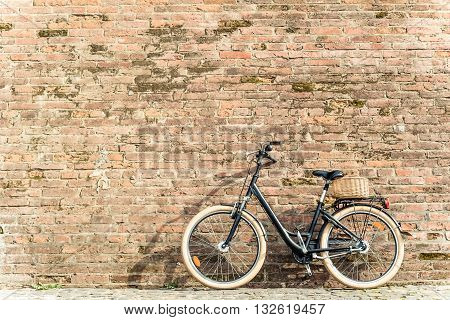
(328, 175)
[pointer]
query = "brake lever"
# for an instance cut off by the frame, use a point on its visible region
(247, 154)
(271, 159)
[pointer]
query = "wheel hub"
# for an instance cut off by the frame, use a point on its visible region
(365, 247)
(222, 248)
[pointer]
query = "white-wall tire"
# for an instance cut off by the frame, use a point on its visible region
(262, 248)
(395, 265)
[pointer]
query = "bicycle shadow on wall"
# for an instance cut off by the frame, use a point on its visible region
(174, 273)
(164, 262)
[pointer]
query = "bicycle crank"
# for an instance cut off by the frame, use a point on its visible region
(305, 260)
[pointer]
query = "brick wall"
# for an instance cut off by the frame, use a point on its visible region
(118, 122)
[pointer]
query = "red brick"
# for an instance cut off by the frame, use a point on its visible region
(235, 55)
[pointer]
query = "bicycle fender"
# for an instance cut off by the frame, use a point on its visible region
(398, 224)
(252, 215)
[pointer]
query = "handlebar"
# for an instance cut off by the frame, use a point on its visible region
(268, 146)
(264, 152)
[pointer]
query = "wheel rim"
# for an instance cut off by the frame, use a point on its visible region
(379, 256)
(219, 265)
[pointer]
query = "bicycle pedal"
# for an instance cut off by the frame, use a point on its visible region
(308, 270)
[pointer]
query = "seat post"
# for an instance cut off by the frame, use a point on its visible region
(317, 213)
(324, 191)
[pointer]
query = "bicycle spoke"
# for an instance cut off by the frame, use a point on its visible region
(206, 244)
(221, 269)
(221, 224)
(237, 269)
(213, 233)
(216, 269)
(379, 233)
(347, 267)
(242, 259)
(369, 266)
(354, 225)
(366, 218)
(380, 262)
(209, 260)
(212, 267)
(342, 260)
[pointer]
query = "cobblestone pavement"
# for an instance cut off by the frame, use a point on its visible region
(392, 292)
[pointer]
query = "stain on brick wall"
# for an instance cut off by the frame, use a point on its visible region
(170, 95)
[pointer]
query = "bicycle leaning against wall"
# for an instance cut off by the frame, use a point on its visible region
(359, 242)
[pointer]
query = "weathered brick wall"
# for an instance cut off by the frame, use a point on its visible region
(121, 119)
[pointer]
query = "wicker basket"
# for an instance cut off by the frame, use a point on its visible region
(350, 187)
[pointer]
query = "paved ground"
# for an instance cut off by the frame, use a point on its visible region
(394, 292)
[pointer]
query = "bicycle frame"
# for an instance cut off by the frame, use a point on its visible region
(284, 233)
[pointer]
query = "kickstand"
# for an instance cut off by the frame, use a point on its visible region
(308, 270)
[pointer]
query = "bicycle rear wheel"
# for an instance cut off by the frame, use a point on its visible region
(382, 257)
(221, 268)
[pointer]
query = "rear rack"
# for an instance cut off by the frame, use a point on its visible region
(345, 202)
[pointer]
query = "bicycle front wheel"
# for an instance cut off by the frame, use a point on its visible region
(383, 247)
(217, 267)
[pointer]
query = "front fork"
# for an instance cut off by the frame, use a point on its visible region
(236, 215)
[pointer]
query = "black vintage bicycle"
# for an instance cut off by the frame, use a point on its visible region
(359, 242)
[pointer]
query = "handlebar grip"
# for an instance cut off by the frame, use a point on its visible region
(275, 143)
